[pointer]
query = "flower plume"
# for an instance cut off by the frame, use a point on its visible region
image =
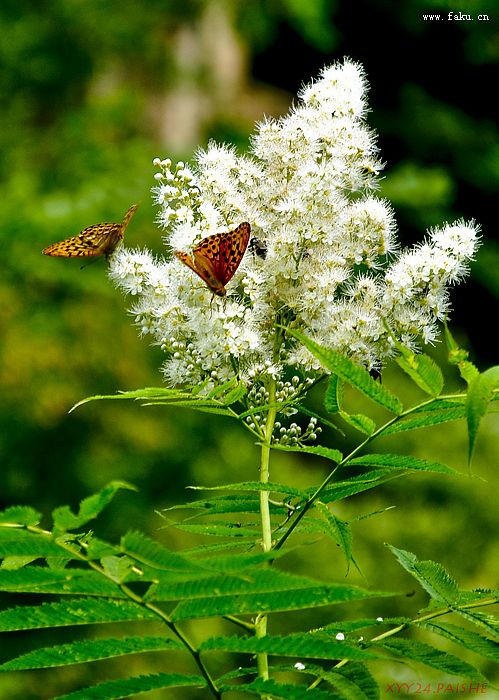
(324, 258)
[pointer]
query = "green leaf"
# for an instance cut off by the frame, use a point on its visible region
(485, 621)
(235, 394)
(83, 611)
(240, 561)
(362, 423)
(19, 515)
(428, 655)
(431, 575)
(90, 507)
(356, 484)
(251, 582)
(67, 581)
(128, 687)
(117, 569)
(393, 461)
(254, 486)
(339, 530)
(429, 416)
(353, 374)
(302, 645)
(14, 563)
(459, 357)
(234, 530)
(466, 638)
(88, 650)
(480, 392)
(19, 543)
(149, 552)
(273, 689)
(353, 681)
(297, 598)
(334, 395)
(422, 370)
(327, 452)
(154, 396)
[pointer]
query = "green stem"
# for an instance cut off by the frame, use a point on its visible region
(261, 621)
(306, 507)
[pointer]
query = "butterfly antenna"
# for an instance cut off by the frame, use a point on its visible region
(90, 262)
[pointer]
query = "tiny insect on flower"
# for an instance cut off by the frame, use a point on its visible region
(216, 258)
(99, 239)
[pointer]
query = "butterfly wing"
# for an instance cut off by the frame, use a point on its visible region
(99, 239)
(202, 265)
(216, 258)
(232, 248)
(224, 251)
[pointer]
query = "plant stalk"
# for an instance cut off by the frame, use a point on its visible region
(261, 620)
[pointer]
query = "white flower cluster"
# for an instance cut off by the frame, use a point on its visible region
(323, 257)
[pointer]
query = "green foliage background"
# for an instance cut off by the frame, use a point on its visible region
(82, 84)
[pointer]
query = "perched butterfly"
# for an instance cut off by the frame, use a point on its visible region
(216, 258)
(99, 239)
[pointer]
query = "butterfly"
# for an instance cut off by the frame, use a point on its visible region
(99, 239)
(216, 258)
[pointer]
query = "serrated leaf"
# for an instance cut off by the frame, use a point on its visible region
(422, 370)
(428, 655)
(222, 504)
(90, 507)
(356, 484)
(72, 612)
(237, 561)
(286, 691)
(353, 374)
(426, 419)
(14, 563)
(88, 650)
(480, 392)
(327, 452)
(19, 515)
(254, 581)
(339, 530)
(431, 575)
(293, 599)
(302, 645)
(363, 686)
(147, 551)
(117, 568)
(67, 581)
(484, 620)
(459, 357)
(129, 687)
(466, 638)
(19, 543)
(353, 680)
(362, 423)
(393, 461)
(234, 530)
(160, 396)
(235, 395)
(334, 395)
(254, 486)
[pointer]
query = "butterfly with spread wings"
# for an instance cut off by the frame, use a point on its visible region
(216, 258)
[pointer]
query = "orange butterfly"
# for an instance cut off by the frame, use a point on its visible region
(216, 258)
(99, 239)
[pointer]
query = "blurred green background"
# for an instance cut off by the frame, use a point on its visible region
(92, 91)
